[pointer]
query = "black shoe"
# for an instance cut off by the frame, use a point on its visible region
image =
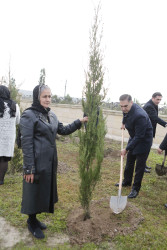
(35, 230)
(41, 225)
(147, 171)
(123, 184)
(165, 205)
(1, 182)
(148, 167)
(133, 194)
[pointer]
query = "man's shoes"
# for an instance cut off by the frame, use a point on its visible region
(148, 167)
(124, 184)
(41, 225)
(1, 182)
(34, 228)
(147, 171)
(165, 205)
(133, 194)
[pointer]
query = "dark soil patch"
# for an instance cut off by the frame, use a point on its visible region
(103, 224)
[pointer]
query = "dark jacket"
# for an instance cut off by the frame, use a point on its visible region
(40, 158)
(152, 111)
(140, 130)
(163, 144)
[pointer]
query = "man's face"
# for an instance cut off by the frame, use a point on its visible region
(156, 100)
(126, 105)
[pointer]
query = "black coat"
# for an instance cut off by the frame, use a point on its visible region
(152, 111)
(40, 158)
(140, 130)
(163, 144)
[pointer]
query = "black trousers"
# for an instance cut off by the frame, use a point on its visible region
(140, 160)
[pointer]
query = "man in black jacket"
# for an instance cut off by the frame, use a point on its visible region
(151, 107)
(162, 147)
(138, 124)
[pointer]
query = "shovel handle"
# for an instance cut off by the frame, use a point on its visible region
(121, 165)
(164, 159)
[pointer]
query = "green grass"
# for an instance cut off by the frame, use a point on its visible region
(151, 233)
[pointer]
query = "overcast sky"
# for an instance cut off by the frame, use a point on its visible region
(54, 34)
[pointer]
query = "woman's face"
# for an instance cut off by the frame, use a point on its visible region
(45, 98)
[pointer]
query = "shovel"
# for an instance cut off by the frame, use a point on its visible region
(160, 169)
(118, 203)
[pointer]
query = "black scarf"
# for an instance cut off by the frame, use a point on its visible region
(36, 103)
(5, 97)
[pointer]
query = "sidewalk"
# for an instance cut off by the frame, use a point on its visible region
(118, 138)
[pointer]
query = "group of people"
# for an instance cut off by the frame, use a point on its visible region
(39, 126)
(141, 125)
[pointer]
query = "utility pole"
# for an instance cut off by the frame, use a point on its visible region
(65, 89)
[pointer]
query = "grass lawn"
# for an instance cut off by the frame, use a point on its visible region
(151, 233)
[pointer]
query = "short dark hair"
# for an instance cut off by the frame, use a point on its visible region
(125, 97)
(156, 94)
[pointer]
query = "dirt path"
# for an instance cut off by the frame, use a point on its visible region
(10, 236)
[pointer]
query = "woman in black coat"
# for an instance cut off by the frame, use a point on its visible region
(38, 127)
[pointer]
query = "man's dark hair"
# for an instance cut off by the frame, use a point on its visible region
(156, 94)
(125, 97)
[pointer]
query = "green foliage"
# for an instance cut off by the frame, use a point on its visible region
(91, 149)
(14, 91)
(16, 163)
(67, 99)
(56, 99)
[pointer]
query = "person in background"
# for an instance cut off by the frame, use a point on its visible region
(151, 107)
(162, 147)
(38, 127)
(139, 127)
(9, 117)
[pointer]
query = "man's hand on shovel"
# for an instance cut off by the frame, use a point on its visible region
(159, 151)
(123, 126)
(123, 152)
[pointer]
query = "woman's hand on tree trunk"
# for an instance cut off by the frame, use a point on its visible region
(84, 119)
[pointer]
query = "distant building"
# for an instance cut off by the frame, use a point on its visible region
(26, 94)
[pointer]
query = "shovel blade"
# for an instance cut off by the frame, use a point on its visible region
(118, 203)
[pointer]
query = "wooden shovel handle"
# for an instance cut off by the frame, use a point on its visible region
(164, 159)
(121, 165)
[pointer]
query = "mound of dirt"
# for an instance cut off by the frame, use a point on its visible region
(103, 222)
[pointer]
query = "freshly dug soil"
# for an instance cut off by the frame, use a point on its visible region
(103, 224)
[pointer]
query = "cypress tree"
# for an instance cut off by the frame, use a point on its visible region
(91, 147)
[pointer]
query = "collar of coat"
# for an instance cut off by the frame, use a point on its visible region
(153, 104)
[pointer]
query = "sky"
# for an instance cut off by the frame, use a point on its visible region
(54, 35)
